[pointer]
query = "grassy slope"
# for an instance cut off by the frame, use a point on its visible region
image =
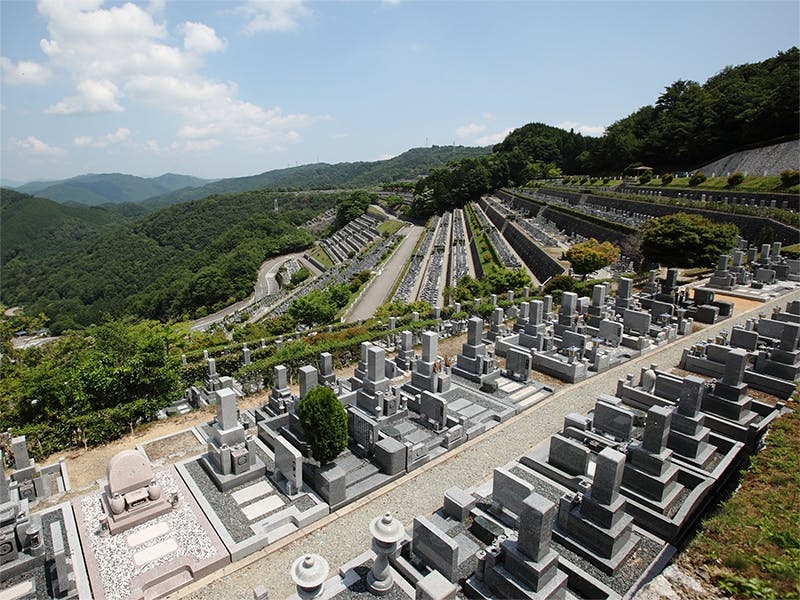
(751, 545)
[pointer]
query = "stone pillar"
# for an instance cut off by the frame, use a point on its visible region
(308, 379)
(386, 533)
(607, 476)
(656, 430)
(474, 331)
(245, 355)
(430, 346)
(536, 526)
(598, 295)
(376, 363)
(734, 367)
(212, 367)
(5, 494)
(691, 396)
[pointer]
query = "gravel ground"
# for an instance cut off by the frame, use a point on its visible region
(345, 534)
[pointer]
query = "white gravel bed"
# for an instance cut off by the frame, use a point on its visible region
(115, 558)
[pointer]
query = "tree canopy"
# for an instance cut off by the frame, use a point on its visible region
(324, 422)
(89, 387)
(591, 255)
(688, 125)
(686, 240)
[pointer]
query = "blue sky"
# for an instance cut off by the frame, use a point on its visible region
(224, 89)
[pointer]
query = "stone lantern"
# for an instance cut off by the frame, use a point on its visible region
(309, 573)
(386, 533)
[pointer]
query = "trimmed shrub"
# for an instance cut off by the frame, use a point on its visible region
(324, 422)
(667, 178)
(697, 178)
(645, 178)
(790, 177)
(735, 179)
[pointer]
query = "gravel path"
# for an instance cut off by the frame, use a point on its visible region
(343, 535)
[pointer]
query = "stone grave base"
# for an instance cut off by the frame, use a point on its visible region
(155, 558)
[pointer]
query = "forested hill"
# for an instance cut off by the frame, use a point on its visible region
(109, 188)
(411, 164)
(81, 265)
(689, 125)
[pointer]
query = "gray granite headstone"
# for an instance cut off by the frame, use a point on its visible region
(434, 547)
(691, 396)
(227, 415)
(734, 367)
(474, 331)
(537, 312)
(656, 429)
(536, 526)
(430, 346)
(608, 470)
(376, 363)
(280, 377)
(19, 448)
(308, 379)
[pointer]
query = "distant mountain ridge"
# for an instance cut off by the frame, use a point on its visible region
(168, 189)
(115, 188)
(413, 163)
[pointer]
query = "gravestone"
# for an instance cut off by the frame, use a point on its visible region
(230, 459)
(132, 495)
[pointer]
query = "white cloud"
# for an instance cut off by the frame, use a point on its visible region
(93, 97)
(340, 136)
(470, 130)
(488, 116)
(35, 147)
(273, 15)
(593, 130)
(156, 6)
(200, 38)
(124, 48)
(122, 134)
(24, 72)
(493, 138)
(385, 156)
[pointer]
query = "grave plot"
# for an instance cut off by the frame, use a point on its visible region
(366, 576)
(143, 534)
(511, 538)
(40, 553)
(589, 336)
(251, 494)
(665, 495)
(748, 273)
(770, 350)
(29, 481)
(396, 427)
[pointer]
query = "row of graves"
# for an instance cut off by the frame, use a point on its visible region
(352, 239)
(161, 520)
(591, 335)
(595, 511)
(628, 480)
(748, 273)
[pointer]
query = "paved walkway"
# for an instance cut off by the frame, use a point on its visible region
(380, 285)
(344, 534)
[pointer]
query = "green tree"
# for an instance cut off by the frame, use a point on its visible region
(591, 255)
(350, 207)
(324, 422)
(686, 240)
